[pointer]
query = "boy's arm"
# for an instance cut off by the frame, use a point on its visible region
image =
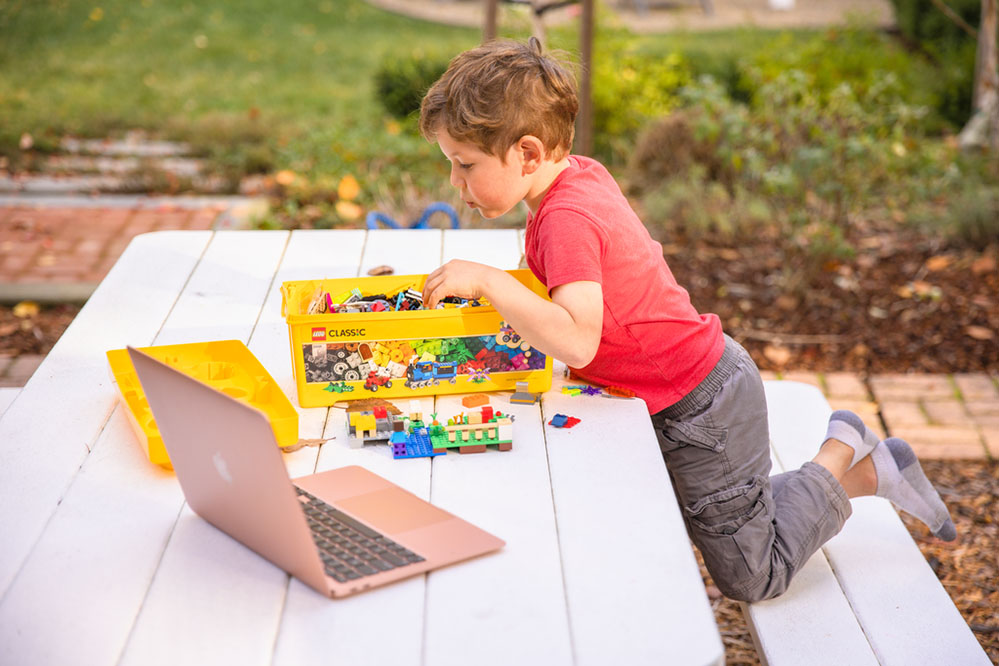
(567, 327)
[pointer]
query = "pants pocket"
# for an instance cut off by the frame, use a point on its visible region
(676, 434)
(734, 531)
(726, 511)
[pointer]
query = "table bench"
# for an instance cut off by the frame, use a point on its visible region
(868, 596)
(101, 561)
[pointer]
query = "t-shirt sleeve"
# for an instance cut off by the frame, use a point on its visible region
(570, 248)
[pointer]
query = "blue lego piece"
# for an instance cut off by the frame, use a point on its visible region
(559, 420)
(417, 445)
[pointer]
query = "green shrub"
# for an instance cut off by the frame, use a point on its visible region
(401, 82)
(629, 90)
(805, 160)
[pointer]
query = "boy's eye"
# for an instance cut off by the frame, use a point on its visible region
(464, 166)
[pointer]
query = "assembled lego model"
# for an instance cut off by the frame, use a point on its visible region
(410, 437)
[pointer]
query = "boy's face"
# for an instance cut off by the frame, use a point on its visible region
(485, 182)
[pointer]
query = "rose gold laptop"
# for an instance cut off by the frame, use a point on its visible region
(340, 531)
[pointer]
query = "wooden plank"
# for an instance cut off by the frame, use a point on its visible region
(473, 612)
(612, 494)
(406, 251)
(494, 247)
(506, 608)
(212, 599)
(355, 629)
(7, 396)
(812, 622)
(906, 613)
(90, 569)
(40, 454)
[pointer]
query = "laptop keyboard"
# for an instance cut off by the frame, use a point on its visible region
(349, 549)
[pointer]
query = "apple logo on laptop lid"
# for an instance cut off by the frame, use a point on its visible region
(222, 467)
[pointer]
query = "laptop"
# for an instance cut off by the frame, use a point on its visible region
(341, 531)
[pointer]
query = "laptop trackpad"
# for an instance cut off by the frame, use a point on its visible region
(393, 510)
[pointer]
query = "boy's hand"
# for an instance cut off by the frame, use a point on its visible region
(464, 279)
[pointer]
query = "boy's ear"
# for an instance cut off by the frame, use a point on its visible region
(532, 152)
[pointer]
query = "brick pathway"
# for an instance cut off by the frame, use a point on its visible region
(45, 244)
(941, 416)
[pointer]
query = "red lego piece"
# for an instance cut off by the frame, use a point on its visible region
(487, 414)
(380, 413)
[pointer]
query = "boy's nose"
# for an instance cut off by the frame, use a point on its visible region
(455, 179)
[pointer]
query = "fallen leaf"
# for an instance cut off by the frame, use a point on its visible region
(778, 355)
(8, 329)
(980, 332)
(26, 309)
(27, 141)
(984, 264)
(939, 262)
(348, 210)
(348, 189)
(285, 177)
(787, 302)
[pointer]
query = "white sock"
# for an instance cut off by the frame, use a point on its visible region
(848, 428)
(902, 481)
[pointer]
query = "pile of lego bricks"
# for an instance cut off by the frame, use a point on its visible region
(354, 301)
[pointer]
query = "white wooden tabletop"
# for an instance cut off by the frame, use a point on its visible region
(102, 562)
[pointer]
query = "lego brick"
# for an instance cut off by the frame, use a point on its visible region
(475, 400)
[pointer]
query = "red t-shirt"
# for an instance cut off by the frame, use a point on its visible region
(653, 340)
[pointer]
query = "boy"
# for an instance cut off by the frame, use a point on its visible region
(503, 116)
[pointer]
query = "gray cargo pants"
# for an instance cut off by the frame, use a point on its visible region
(753, 530)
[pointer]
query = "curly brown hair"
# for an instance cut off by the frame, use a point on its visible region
(492, 95)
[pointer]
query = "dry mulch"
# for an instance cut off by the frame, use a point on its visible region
(904, 303)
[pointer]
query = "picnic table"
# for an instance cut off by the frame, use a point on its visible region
(102, 562)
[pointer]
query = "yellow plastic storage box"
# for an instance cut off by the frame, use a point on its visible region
(225, 365)
(408, 353)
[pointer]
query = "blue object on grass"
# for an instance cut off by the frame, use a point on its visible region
(374, 217)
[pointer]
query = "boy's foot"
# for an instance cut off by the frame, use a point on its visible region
(847, 427)
(901, 480)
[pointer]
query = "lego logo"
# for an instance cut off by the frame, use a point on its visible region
(318, 334)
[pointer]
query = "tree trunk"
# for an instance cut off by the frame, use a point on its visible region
(489, 29)
(584, 122)
(982, 130)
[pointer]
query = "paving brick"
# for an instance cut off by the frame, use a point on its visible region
(902, 413)
(865, 409)
(946, 412)
(810, 378)
(976, 387)
(911, 387)
(846, 385)
(943, 442)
